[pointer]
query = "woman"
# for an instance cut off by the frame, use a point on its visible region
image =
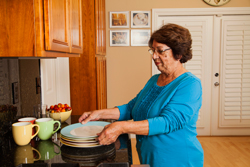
(165, 111)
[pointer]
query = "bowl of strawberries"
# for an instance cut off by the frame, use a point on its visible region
(59, 112)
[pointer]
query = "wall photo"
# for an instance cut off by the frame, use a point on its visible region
(140, 19)
(140, 37)
(119, 19)
(119, 37)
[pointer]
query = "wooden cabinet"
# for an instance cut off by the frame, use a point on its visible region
(40, 28)
(56, 25)
(88, 72)
(17, 34)
(63, 25)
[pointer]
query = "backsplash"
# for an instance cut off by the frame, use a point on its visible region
(18, 84)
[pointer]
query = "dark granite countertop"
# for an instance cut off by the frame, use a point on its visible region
(52, 151)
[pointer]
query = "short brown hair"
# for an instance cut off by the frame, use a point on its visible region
(177, 38)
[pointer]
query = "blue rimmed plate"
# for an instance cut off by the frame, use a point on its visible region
(88, 130)
(79, 145)
(78, 139)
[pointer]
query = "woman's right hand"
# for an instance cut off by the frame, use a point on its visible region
(90, 116)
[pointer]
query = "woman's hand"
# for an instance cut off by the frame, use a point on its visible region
(90, 116)
(110, 133)
(111, 113)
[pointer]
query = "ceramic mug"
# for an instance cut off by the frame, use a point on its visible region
(46, 149)
(24, 154)
(47, 127)
(22, 132)
(29, 119)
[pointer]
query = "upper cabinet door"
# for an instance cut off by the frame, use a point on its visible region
(76, 26)
(57, 34)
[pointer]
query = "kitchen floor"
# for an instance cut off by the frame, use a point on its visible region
(219, 151)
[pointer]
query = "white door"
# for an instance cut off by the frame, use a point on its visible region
(55, 84)
(48, 81)
(200, 28)
(221, 59)
(231, 98)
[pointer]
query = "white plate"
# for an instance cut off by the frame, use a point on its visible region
(74, 138)
(86, 131)
(81, 133)
(78, 139)
(79, 145)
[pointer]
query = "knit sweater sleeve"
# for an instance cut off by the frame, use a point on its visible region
(126, 109)
(184, 104)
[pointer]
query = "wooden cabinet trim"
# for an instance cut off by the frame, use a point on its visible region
(74, 47)
(101, 82)
(39, 28)
(100, 23)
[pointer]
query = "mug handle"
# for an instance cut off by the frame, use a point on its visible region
(37, 153)
(58, 147)
(37, 130)
(59, 125)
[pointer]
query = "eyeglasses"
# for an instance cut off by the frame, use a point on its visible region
(160, 52)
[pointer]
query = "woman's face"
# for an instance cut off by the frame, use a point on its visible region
(165, 60)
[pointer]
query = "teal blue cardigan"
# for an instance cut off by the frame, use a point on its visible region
(172, 112)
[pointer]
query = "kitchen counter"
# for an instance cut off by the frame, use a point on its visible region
(52, 151)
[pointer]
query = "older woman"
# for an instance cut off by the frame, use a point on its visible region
(165, 111)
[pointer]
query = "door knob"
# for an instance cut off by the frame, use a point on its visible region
(216, 84)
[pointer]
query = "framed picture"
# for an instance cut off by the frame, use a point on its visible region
(140, 37)
(119, 37)
(140, 19)
(119, 19)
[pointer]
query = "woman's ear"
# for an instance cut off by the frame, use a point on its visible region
(179, 57)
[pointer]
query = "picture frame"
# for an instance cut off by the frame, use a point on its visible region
(140, 37)
(119, 19)
(140, 19)
(119, 37)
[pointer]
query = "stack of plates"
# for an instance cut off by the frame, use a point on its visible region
(88, 156)
(79, 135)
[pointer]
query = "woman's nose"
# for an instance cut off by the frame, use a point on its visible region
(155, 55)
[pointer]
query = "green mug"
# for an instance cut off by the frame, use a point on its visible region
(46, 149)
(47, 128)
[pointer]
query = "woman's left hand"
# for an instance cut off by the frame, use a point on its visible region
(110, 133)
